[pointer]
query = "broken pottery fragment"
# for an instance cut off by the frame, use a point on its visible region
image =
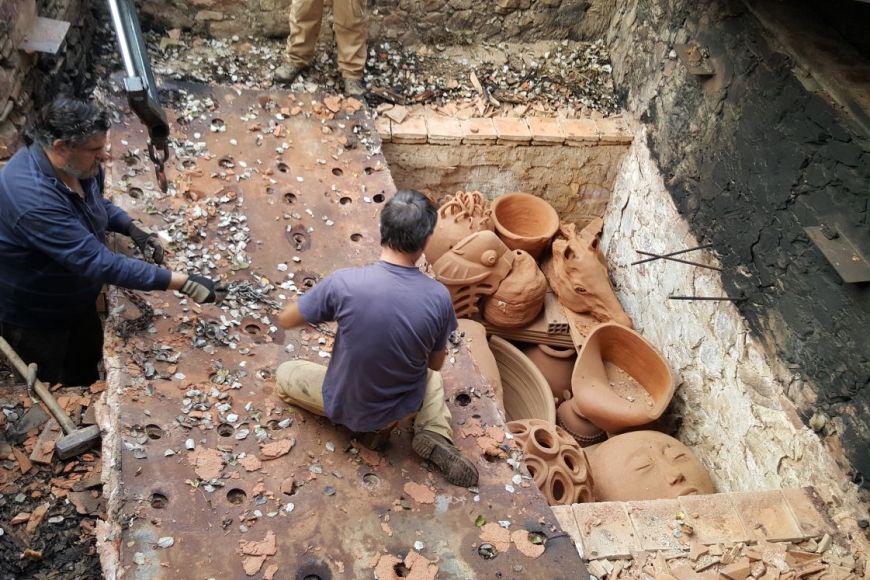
(577, 273)
(526, 393)
(520, 296)
(644, 465)
(524, 222)
(473, 268)
(462, 214)
(620, 381)
(555, 461)
(475, 335)
(556, 364)
(584, 431)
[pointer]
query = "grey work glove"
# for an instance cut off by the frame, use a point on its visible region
(147, 242)
(203, 290)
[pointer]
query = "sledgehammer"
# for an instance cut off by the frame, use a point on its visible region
(76, 440)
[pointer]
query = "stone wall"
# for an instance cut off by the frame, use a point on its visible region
(750, 157)
(26, 80)
(408, 21)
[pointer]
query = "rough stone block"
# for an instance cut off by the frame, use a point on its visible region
(606, 530)
(205, 15)
(478, 131)
(384, 129)
(412, 131)
(766, 516)
(565, 516)
(579, 131)
(713, 519)
(444, 130)
(511, 130)
(656, 524)
(546, 130)
(613, 131)
(808, 509)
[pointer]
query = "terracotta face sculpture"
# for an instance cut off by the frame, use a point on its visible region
(577, 272)
(646, 465)
(473, 268)
(461, 215)
(520, 296)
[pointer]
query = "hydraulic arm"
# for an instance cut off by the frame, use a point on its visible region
(139, 83)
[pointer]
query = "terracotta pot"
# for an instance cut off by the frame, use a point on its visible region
(577, 273)
(644, 465)
(525, 222)
(582, 429)
(473, 268)
(555, 461)
(475, 339)
(526, 393)
(592, 386)
(556, 364)
(520, 296)
(461, 215)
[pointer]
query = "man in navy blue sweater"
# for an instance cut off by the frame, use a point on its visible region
(53, 254)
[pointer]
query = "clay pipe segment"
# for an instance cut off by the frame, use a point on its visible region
(76, 440)
(668, 255)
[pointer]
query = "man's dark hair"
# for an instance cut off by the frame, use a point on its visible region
(407, 220)
(73, 121)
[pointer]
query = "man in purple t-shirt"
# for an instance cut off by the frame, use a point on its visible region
(393, 325)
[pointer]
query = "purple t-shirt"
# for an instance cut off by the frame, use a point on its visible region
(390, 319)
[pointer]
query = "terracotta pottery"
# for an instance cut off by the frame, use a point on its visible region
(644, 465)
(475, 339)
(555, 461)
(525, 222)
(520, 296)
(616, 360)
(526, 393)
(461, 215)
(582, 429)
(577, 273)
(473, 268)
(556, 364)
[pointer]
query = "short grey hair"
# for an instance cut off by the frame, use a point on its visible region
(72, 121)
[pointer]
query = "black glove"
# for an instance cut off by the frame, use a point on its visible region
(147, 242)
(203, 290)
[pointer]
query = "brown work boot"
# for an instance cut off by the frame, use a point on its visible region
(457, 468)
(354, 88)
(287, 72)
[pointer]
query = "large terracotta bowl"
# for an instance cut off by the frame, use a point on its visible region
(526, 392)
(524, 222)
(594, 398)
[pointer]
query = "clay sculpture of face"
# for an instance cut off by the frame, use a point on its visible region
(645, 465)
(520, 296)
(461, 215)
(474, 267)
(577, 272)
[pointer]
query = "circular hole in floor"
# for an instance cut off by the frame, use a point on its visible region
(308, 282)
(463, 399)
(132, 160)
(336, 171)
(270, 190)
(371, 481)
(345, 200)
(158, 501)
(272, 424)
(217, 123)
(153, 431)
(487, 551)
(368, 170)
(188, 163)
(252, 328)
(401, 570)
(134, 192)
(290, 198)
(475, 416)
(236, 496)
(225, 429)
(538, 538)
(226, 162)
(379, 198)
(283, 167)
(355, 237)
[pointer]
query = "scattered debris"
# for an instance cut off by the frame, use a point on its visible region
(419, 493)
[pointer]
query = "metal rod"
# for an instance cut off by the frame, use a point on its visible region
(669, 258)
(677, 253)
(720, 298)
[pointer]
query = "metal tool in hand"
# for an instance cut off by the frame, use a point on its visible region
(75, 441)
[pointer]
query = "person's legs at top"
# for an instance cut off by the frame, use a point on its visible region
(351, 35)
(305, 19)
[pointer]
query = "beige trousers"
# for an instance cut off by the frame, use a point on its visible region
(300, 383)
(351, 30)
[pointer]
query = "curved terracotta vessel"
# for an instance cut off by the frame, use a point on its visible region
(594, 398)
(645, 465)
(525, 222)
(555, 461)
(520, 296)
(475, 335)
(462, 214)
(526, 393)
(473, 268)
(577, 273)
(556, 364)
(584, 431)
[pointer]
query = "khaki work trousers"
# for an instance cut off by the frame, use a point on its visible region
(351, 30)
(300, 383)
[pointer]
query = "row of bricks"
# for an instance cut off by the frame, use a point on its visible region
(503, 131)
(618, 529)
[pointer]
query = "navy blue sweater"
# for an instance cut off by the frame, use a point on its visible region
(53, 253)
